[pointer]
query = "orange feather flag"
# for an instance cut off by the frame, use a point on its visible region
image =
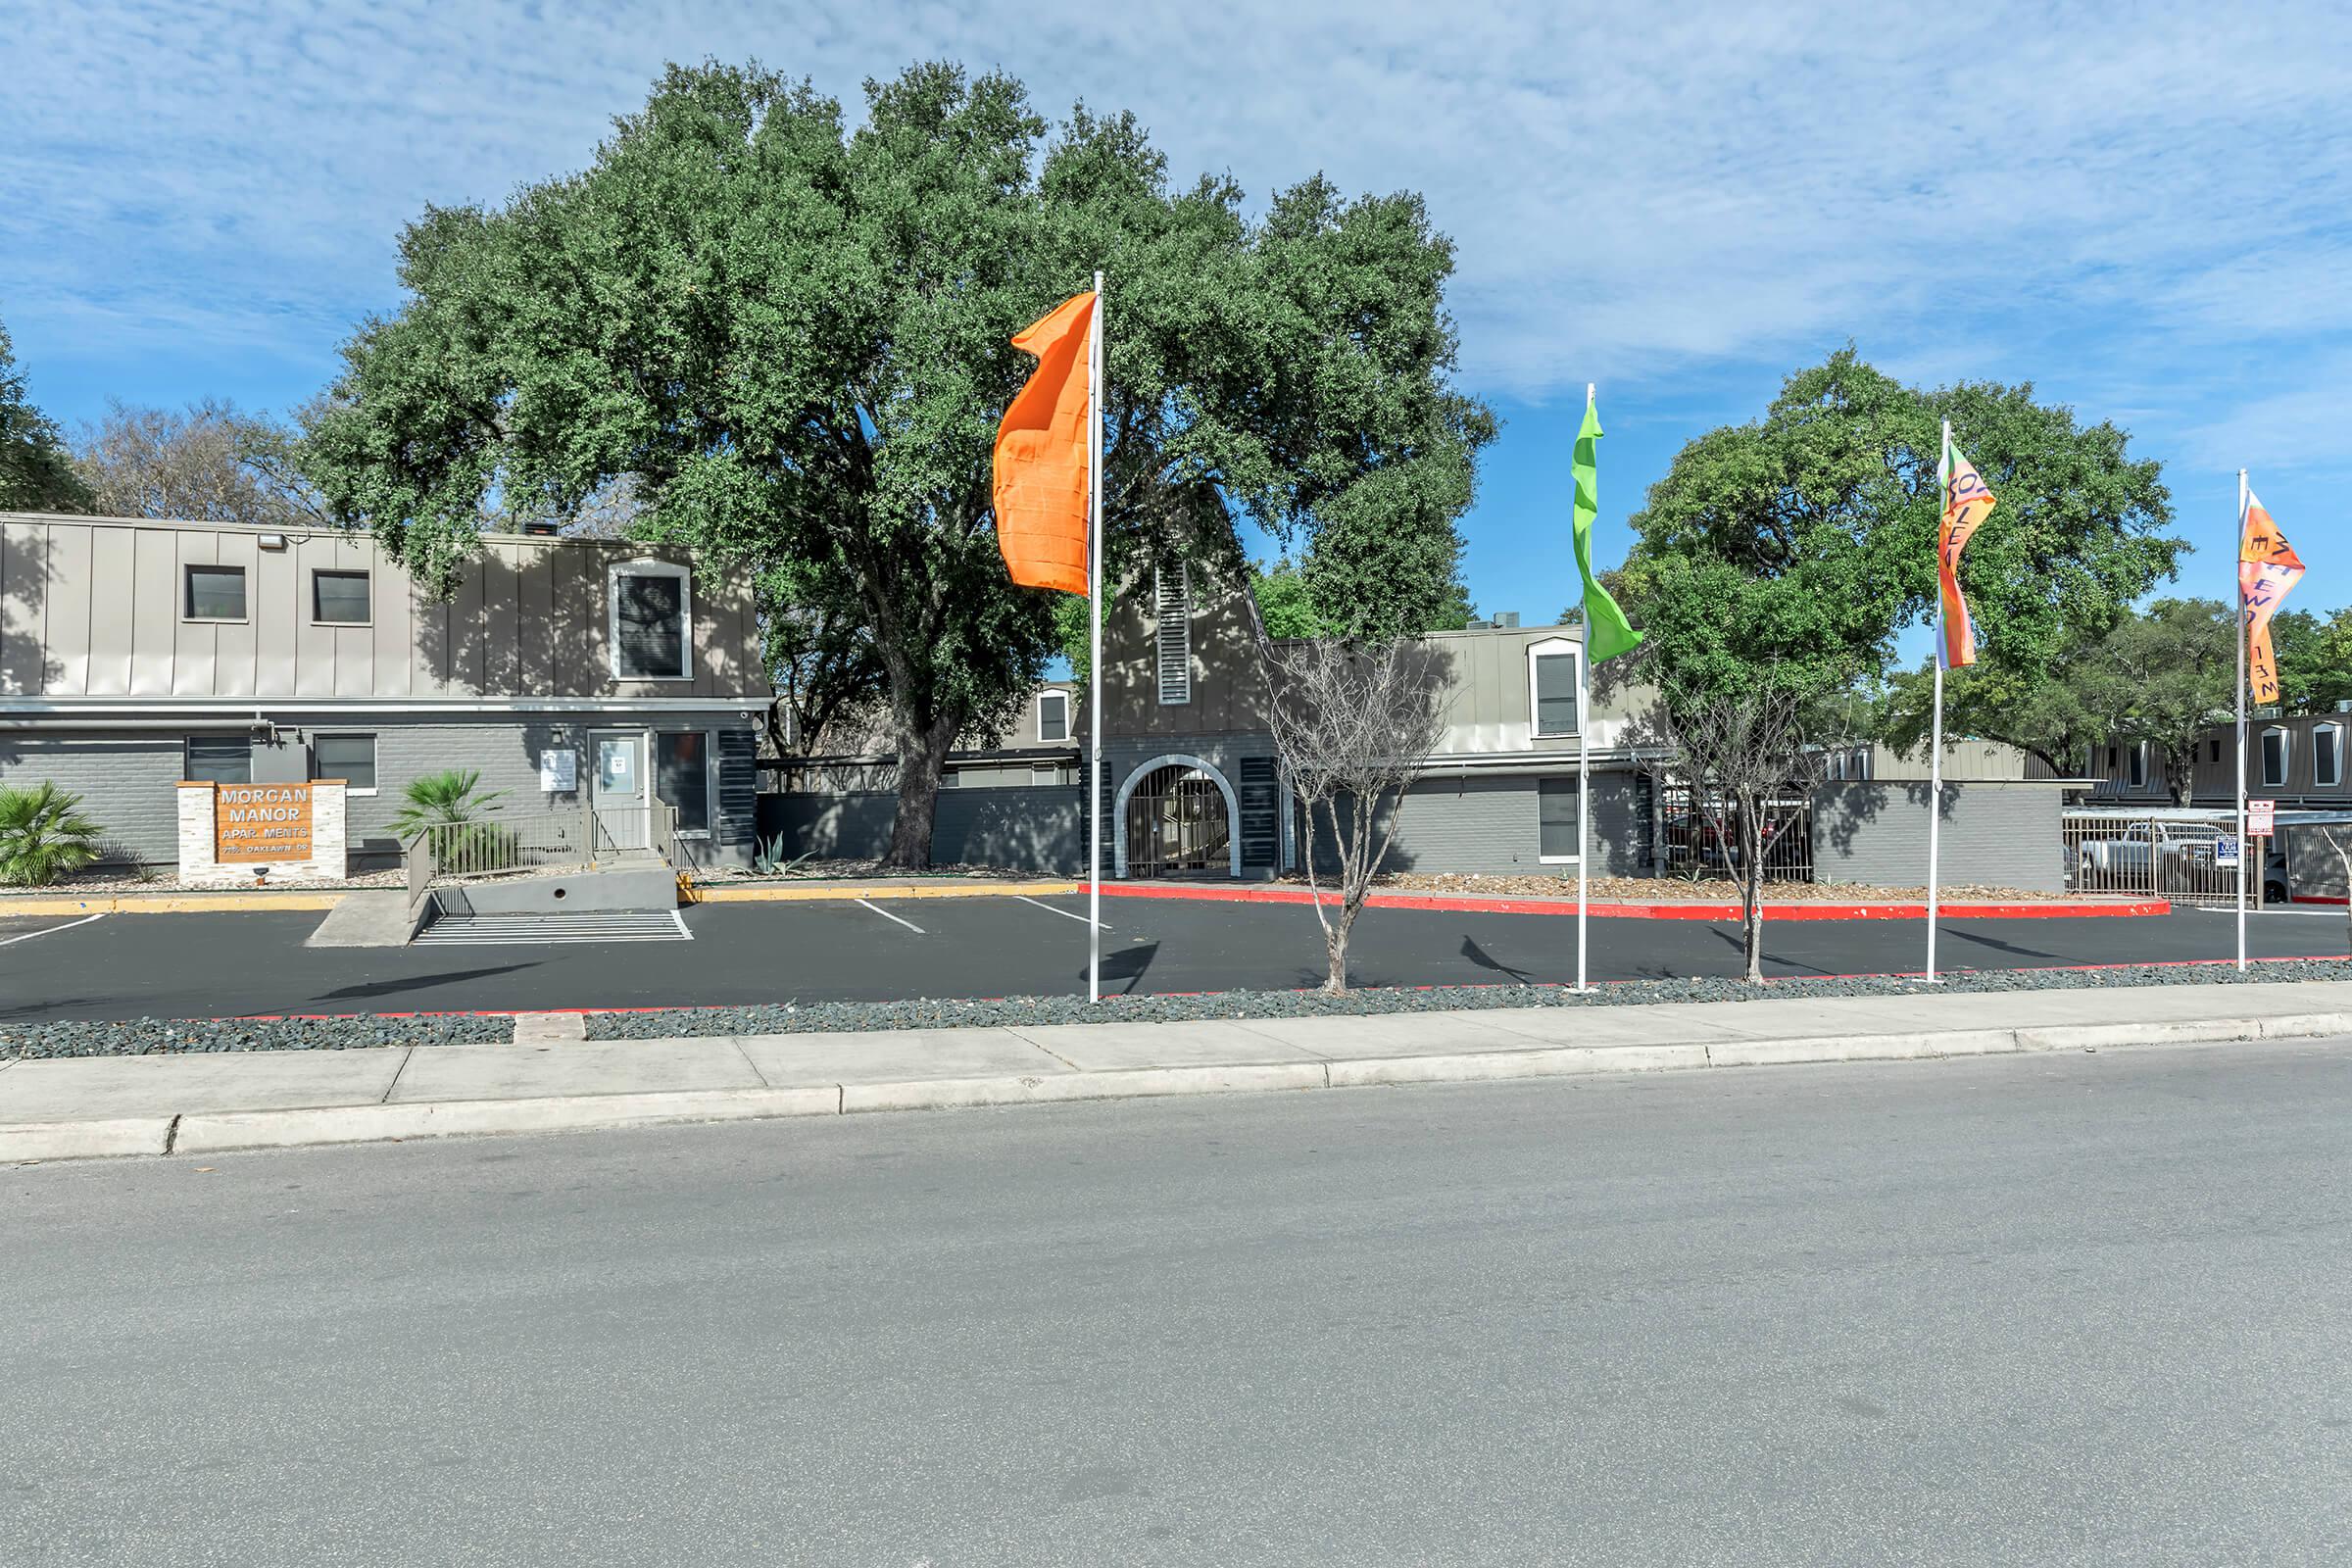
(1042, 455)
(2267, 568)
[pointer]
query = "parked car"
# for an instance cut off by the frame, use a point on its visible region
(2144, 846)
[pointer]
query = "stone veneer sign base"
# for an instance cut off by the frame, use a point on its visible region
(254, 835)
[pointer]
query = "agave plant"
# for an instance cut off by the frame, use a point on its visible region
(44, 835)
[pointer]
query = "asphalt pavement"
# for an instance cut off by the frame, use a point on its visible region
(2082, 1309)
(226, 965)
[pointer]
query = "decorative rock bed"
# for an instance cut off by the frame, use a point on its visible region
(152, 1036)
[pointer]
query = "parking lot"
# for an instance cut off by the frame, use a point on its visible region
(221, 965)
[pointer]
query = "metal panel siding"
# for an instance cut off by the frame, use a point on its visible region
(1260, 789)
(233, 644)
(193, 640)
(65, 612)
(113, 594)
(1993, 835)
(127, 786)
(155, 612)
(94, 608)
(738, 785)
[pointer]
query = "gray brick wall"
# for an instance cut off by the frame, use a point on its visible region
(1993, 835)
(127, 781)
(1486, 823)
(1021, 828)
(127, 784)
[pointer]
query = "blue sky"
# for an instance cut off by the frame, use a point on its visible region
(2152, 221)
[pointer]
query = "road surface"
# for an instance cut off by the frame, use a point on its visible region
(2090, 1308)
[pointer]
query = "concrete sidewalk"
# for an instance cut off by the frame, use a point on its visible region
(203, 1103)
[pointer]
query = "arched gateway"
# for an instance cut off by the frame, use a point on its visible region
(1177, 816)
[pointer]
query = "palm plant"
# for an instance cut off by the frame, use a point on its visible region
(450, 805)
(44, 835)
(446, 797)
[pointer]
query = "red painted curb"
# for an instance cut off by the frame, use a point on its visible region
(1647, 911)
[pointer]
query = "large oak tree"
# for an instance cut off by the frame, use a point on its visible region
(789, 337)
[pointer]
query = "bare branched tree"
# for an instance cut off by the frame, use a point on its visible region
(210, 462)
(1744, 760)
(1353, 726)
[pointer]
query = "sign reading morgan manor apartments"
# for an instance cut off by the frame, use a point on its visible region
(255, 824)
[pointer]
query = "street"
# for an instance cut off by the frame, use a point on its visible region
(2088, 1307)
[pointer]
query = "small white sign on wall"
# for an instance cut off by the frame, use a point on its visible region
(559, 771)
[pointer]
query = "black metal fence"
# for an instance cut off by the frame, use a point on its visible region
(1702, 844)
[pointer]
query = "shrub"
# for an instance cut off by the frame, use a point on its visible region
(447, 796)
(44, 835)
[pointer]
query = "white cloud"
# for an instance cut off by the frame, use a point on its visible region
(1633, 191)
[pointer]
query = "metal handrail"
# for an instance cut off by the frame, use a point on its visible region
(501, 843)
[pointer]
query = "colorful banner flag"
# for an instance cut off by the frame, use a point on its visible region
(1966, 500)
(1042, 452)
(1608, 633)
(2267, 569)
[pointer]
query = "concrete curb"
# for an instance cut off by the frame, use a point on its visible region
(217, 1132)
(63, 904)
(1657, 910)
(847, 893)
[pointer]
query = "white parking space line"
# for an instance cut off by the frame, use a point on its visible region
(1064, 913)
(52, 930)
(2252, 913)
(887, 915)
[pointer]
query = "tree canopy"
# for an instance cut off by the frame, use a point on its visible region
(1790, 552)
(790, 336)
(36, 471)
(210, 462)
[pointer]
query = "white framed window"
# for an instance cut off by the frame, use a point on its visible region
(651, 621)
(349, 757)
(2138, 758)
(2277, 752)
(1554, 694)
(1557, 807)
(214, 593)
(340, 599)
(2326, 756)
(1173, 602)
(1053, 715)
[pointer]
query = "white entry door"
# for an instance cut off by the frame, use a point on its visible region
(620, 788)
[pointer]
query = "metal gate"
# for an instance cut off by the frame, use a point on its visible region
(1695, 847)
(2167, 852)
(1176, 823)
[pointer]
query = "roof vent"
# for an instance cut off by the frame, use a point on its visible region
(542, 530)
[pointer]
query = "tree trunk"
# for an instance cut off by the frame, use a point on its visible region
(1751, 892)
(1335, 943)
(922, 762)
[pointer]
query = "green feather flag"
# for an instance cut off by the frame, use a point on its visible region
(1606, 631)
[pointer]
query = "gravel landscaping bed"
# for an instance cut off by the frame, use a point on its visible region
(163, 1037)
(791, 1018)
(160, 1037)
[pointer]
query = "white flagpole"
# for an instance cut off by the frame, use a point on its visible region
(1944, 477)
(1093, 609)
(2243, 847)
(1584, 757)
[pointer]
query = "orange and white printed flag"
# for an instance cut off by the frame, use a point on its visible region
(1966, 500)
(2267, 569)
(1042, 452)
